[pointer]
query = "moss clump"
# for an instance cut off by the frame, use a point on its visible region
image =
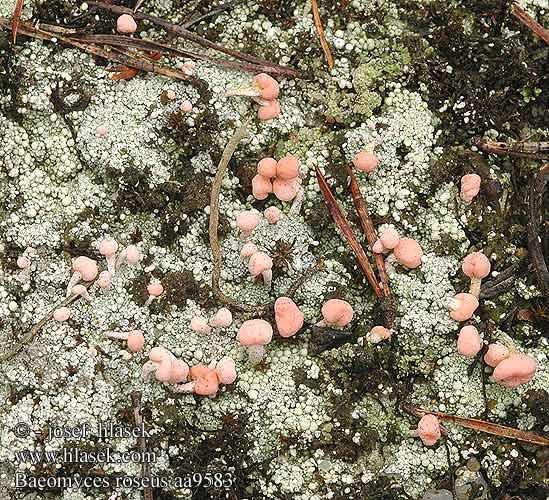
(180, 286)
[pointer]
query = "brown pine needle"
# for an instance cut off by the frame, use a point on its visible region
(370, 232)
(527, 20)
(320, 30)
(17, 11)
(348, 233)
(481, 425)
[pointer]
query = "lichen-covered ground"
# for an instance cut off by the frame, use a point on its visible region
(416, 78)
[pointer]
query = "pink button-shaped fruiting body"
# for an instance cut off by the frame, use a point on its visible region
(261, 264)
(104, 279)
(289, 318)
(248, 250)
(225, 370)
(495, 354)
(337, 313)
(130, 254)
(200, 325)
(126, 24)
(247, 222)
(476, 266)
(186, 106)
(261, 187)
(81, 291)
(101, 131)
(469, 343)
(166, 367)
(378, 247)
(462, 306)
(255, 334)
(204, 381)
(378, 334)
(154, 290)
(285, 189)
(517, 369)
(269, 110)
(365, 161)
(267, 168)
(83, 268)
(134, 338)
(273, 215)
(428, 430)
(23, 262)
(408, 253)
(287, 167)
(108, 248)
(222, 318)
(470, 187)
(389, 239)
(267, 86)
(61, 314)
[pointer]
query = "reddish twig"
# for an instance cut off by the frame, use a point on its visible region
(481, 425)
(348, 233)
(370, 232)
(320, 30)
(189, 35)
(17, 11)
(527, 20)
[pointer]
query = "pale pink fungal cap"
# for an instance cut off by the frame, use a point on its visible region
(186, 106)
(377, 334)
(255, 332)
(389, 239)
(86, 267)
(267, 86)
(62, 314)
(469, 343)
(247, 222)
(157, 354)
(248, 250)
(136, 340)
(476, 265)
(104, 280)
(337, 312)
(378, 247)
(132, 254)
(428, 429)
(408, 253)
(287, 167)
(365, 161)
(495, 354)
(289, 319)
(171, 95)
(200, 325)
(222, 319)
(126, 24)
(267, 167)
(206, 381)
(285, 189)
(164, 371)
(155, 289)
(101, 131)
(517, 369)
(268, 111)
(226, 370)
(462, 306)
(261, 187)
(259, 263)
(273, 215)
(23, 262)
(179, 372)
(470, 187)
(108, 247)
(81, 290)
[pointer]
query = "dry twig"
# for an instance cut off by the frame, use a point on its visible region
(538, 184)
(138, 417)
(17, 11)
(320, 30)
(527, 20)
(348, 232)
(481, 425)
